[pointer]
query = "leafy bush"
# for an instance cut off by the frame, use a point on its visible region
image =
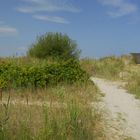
(16, 75)
(55, 46)
(87, 65)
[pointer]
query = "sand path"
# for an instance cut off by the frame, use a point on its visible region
(123, 110)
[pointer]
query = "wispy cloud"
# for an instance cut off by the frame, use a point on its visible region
(8, 30)
(32, 6)
(55, 19)
(119, 8)
(37, 7)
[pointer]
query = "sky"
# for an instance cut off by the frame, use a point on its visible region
(100, 27)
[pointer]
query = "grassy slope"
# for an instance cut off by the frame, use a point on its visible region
(108, 67)
(116, 68)
(72, 117)
(133, 79)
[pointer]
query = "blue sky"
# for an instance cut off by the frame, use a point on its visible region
(100, 27)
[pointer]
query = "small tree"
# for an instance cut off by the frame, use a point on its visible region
(54, 45)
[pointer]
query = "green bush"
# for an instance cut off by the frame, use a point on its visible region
(55, 46)
(15, 75)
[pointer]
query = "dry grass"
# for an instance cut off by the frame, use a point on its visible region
(77, 120)
(107, 67)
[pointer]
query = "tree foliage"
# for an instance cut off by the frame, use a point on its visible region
(17, 75)
(55, 46)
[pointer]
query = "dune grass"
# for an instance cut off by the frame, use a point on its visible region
(133, 82)
(116, 68)
(72, 118)
(107, 67)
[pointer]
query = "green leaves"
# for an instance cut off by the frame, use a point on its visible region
(41, 75)
(55, 46)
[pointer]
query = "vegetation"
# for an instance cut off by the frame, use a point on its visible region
(54, 46)
(116, 68)
(128, 71)
(87, 65)
(48, 100)
(133, 84)
(62, 112)
(47, 94)
(14, 74)
(132, 79)
(107, 67)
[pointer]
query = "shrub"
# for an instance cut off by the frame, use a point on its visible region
(55, 46)
(15, 75)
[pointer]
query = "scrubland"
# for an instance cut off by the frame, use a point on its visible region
(47, 100)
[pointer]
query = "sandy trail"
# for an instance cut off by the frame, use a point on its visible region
(123, 110)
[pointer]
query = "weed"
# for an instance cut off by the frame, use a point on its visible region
(4, 118)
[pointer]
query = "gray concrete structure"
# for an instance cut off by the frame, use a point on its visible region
(136, 57)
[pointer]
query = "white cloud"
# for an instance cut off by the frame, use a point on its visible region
(55, 19)
(119, 7)
(7, 30)
(32, 6)
(36, 7)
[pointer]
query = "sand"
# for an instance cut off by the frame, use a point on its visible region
(123, 109)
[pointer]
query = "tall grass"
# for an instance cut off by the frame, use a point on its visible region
(72, 118)
(131, 76)
(107, 67)
(133, 83)
(76, 122)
